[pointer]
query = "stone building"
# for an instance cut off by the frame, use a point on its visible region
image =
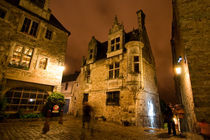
(32, 50)
(118, 77)
(191, 51)
(68, 87)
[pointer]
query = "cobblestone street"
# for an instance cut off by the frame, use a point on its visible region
(72, 130)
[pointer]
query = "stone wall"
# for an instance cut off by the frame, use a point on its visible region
(53, 50)
(137, 106)
(191, 42)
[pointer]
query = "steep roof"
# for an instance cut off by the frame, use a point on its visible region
(103, 47)
(71, 77)
(53, 20)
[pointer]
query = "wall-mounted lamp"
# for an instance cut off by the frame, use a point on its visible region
(178, 70)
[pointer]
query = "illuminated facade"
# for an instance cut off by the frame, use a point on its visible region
(190, 46)
(118, 78)
(32, 50)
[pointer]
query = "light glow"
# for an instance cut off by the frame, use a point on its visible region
(178, 70)
(61, 68)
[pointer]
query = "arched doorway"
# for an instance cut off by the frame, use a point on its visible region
(27, 99)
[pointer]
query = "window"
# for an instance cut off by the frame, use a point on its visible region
(29, 27)
(29, 99)
(91, 54)
(85, 97)
(114, 70)
(2, 13)
(115, 44)
(21, 57)
(48, 34)
(66, 85)
(87, 74)
(136, 64)
(113, 98)
(43, 63)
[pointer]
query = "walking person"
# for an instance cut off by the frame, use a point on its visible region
(170, 121)
(87, 117)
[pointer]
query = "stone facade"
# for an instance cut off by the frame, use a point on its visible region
(68, 87)
(118, 78)
(190, 42)
(32, 50)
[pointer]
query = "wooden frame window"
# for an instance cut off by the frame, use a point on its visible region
(21, 57)
(43, 63)
(115, 44)
(48, 34)
(29, 27)
(114, 70)
(136, 64)
(113, 98)
(28, 99)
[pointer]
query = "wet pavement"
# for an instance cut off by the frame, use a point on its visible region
(71, 129)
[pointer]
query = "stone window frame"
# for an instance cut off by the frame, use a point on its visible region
(136, 64)
(21, 54)
(114, 70)
(47, 36)
(115, 44)
(41, 65)
(33, 19)
(113, 98)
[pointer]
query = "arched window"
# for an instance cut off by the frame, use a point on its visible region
(25, 98)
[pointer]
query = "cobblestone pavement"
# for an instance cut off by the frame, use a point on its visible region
(72, 130)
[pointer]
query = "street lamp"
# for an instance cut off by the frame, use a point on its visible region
(178, 68)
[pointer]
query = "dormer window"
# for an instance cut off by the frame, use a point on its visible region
(48, 34)
(115, 44)
(29, 27)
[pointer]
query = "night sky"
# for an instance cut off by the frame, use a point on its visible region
(87, 18)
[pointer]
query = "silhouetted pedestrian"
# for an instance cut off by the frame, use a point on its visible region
(86, 116)
(170, 121)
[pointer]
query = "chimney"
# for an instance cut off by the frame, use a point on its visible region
(141, 22)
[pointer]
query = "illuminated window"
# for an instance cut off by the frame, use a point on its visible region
(28, 99)
(43, 63)
(136, 64)
(29, 27)
(21, 57)
(48, 34)
(114, 70)
(2, 13)
(115, 44)
(112, 98)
